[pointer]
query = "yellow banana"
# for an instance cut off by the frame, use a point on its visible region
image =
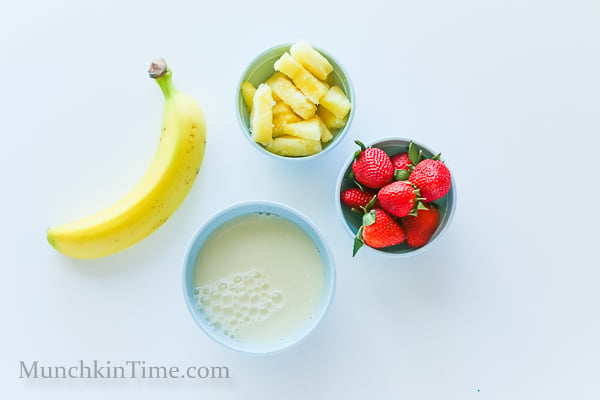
(160, 191)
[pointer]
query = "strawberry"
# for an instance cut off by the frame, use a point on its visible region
(372, 167)
(400, 161)
(379, 229)
(397, 198)
(420, 228)
(432, 177)
(356, 198)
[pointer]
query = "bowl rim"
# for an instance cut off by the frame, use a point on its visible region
(251, 207)
(338, 137)
(380, 252)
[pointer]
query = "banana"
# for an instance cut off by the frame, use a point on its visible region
(157, 195)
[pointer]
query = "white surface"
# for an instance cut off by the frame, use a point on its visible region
(505, 306)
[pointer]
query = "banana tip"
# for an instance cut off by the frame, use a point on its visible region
(50, 238)
(158, 68)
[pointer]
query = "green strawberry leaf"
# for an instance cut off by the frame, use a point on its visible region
(413, 153)
(421, 206)
(358, 241)
(369, 217)
(370, 204)
(360, 144)
(437, 157)
(401, 174)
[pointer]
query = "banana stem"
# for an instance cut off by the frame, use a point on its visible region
(162, 75)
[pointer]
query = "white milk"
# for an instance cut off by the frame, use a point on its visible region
(258, 278)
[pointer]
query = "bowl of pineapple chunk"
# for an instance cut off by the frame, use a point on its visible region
(295, 101)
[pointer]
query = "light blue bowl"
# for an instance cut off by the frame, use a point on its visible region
(261, 68)
(352, 221)
(238, 210)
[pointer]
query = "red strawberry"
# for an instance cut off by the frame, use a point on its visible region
(356, 198)
(400, 161)
(432, 177)
(379, 230)
(397, 198)
(420, 228)
(372, 167)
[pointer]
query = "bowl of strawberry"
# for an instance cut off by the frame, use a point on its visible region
(395, 196)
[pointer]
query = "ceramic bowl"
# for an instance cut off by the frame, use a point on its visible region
(261, 68)
(352, 221)
(229, 214)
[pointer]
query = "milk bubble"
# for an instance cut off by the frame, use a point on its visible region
(238, 300)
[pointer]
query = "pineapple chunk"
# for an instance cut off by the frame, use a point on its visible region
(261, 116)
(311, 59)
(291, 146)
(270, 82)
(329, 119)
(336, 101)
(312, 88)
(248, 90)
(309, 129)
(326, 134)
(274, 78)
(293, 97)
(282, 115)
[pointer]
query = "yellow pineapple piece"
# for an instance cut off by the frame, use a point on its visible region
(326, 134)
(311, 59)
(336, 101)
(276, 75)
(291, 146)
(308, 129)
(271, 80)
(312, 88)
(248, 90)
(261, 116)
(287, 65)
(282, 115)
(329, 119)
(288, 93)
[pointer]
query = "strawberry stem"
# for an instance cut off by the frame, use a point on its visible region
(361, 187)
(361, 145)
(357, 153)
(357, 210)
(370, 204)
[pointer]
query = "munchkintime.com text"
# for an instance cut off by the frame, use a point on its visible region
(95, 369)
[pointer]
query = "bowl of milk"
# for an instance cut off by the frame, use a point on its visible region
(258, 277)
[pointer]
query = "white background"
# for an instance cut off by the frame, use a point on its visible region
(505, 306)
